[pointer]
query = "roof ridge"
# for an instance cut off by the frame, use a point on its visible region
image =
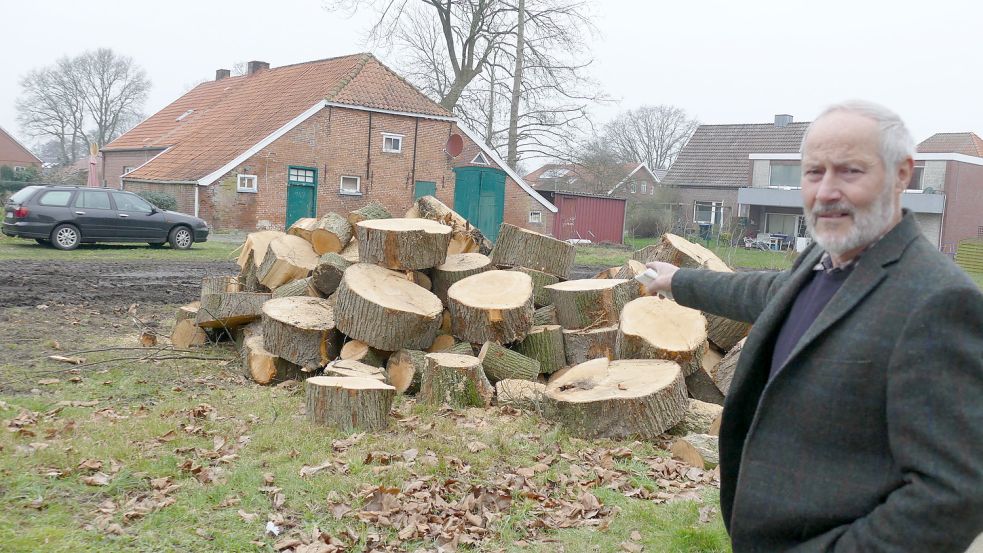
(409, 84)
(316, 61)
(365, 58)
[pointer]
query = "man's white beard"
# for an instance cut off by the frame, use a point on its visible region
(868, 224)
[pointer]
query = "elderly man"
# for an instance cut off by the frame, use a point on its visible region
(854, 420)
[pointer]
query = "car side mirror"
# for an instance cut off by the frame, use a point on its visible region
(153, 210)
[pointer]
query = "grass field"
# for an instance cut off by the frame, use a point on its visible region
(735, 257)
(216, 249)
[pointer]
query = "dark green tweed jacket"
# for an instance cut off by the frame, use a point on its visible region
(870, 438)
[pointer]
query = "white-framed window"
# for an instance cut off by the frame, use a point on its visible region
(480, 159)
(247, 183)
(350, 185)
(392, 143)
(18, 168)
(126, 169)
(631, 187)
(535, 216)
(708, 212)
(644, 188)
(916, 176)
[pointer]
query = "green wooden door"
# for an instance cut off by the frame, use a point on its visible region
(424, 188)
(301, 193)
(479, 196)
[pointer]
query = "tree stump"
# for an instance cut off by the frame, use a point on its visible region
(723, 372)
(456, 267)
(465, 237)
(544, 344)
(455, 380)
(331, 234)
(521, 394)
(229, 310)
(618, 399)
(698, 450)
(699, 418)
(518, 247)
(591, 303)
(373, 210)
(256, 244)
(301, 330)
(545, 315)
(583, 345)
(357, 350)
(349, 403)
(287, 258)
(300, 287)
(350, 253)
(261, 366)
(328, 272)
(186, 332)
(384, 310)
(342, 367)
(403, 244)
(405, 368)
(501, 363)
(541, 296)
(493, 306)
(655, 328)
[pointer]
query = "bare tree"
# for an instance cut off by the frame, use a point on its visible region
(113, 90)
(51, 107)
(653, 135)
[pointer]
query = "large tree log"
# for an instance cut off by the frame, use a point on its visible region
(331, 234)
(349, 403)
(518, 247)
(457, 380)
(618, 399)
(261, 366)
(456, 267)
(700, 386)
(229, 310)
(521, 394)
(501, 363)
(248, 281)
(301, 330)
(373, 210)
(466, 238)
(630, 269)
(725, 333)
(544, 344)
(591, 303)
(301, 287)
(327, 275)
(583, 345)
(384, 310)
(303, 227)
(699, 418)
(218, 285)
(287, 258)
(698, 450)
(655, 328)
(541, 296)
(402, 244)
(357, 350)
(405, 368)
(256, 244)
(493, 306)
(723, 372)
(186, 332)
(545, 315)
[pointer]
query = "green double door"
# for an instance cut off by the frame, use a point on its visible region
(479, 196)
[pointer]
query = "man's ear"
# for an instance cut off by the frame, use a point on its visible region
(904, 173)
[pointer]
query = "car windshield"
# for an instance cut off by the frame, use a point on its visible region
(22, 195)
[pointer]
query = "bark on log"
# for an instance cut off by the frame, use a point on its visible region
(520, 394)
(700, 386)
(331, 234)
(287, 258)
(545, 315)
(518, 247)
(248, 281)
(301, 330)
(583, 345)
(618, 399)
(455, 380)
(349, 367)
(723, 372)
(218, 285)
(715, 425)
(303, 227)
(460, 348)
(231, 309)
(405, 368)
(456, 267)
(630, 269)
(189, 311)
(501, 363)
(327, 275)
(591, 303)
(711, 357)
(301, 287)
(607, 273)
(699, 418)
(655, 328)
(698, 450)
(350, 253)
(384, 310)
(357, 350)
(725, 333)
(256, 244)
(493, 306)
(465, 237)
(261, 366)
(373, 210)
(402, 244)
(541, 296)
(349, 403)
(544, 344)
(442, 342)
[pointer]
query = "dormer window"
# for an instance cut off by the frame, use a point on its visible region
(185, 114)
(392, 143)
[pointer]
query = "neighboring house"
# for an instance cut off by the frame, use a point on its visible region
(15, 155)
(266, 148)
(625, 180)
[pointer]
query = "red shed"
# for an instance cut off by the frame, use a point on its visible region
(585, 216)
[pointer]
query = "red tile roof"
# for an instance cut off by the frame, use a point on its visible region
(227, 117)
(952, 143)
(13, 151)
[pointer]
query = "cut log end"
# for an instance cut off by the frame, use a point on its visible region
(349, 403)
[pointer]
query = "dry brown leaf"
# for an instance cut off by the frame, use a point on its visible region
(148, 340)
(69, 360)
(306, 470)
(248, 517)
(476, 446)
(90, 464)
(97, 479)
(48, 381)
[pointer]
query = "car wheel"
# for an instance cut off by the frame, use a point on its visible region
(181, 238)
(65, 237)
(43, 241)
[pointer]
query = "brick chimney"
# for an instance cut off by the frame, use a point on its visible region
(783, 120)
(256, 66)
(222, 74)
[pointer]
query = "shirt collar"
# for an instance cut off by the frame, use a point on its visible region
(826, 261)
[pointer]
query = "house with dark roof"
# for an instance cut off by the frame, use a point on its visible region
(15, 155)
(264, 149)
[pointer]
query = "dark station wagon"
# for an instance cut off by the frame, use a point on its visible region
(66, 216)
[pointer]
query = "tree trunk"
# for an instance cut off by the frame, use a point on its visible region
(301, 287)
(403, 244)
(591, 303)
(456, 267)
(357, 350)
(327, 275)
(465, 238)
(287, 258)
(518, 247)
(231, 309)
(583, 345)
(545, 315)
(455, 380)
(618, 399)
(349, 403)
(372, 210)
(501, 363)
(331, 234)
(256, 244)
(301, 330)
(654, 328)
(723, 372)
(698, 450)
(261, 366)
(384, 310)
(521, 394)
(540, 280)
(491, 306)
(513, 139)
(405, 368)
(545, 344)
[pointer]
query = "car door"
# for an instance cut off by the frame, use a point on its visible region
(136, 219)
(94, 214)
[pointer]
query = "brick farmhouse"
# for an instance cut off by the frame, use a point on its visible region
(261, 150)
(15, 155)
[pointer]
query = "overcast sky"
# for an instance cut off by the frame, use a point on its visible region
(722, 61)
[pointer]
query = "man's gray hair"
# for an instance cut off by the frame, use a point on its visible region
(897, 143)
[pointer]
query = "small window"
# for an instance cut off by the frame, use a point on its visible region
(351, 185)
(126, 169)
(247, 183)
(631, 186)
(299, 175)
(90, 199)
(535, 216)
(480, 159)
(644, 188)
(392, 143)
(18, 168)
(57, 198)
(708, 212)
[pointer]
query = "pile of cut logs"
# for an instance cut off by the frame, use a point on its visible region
(366, 306)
